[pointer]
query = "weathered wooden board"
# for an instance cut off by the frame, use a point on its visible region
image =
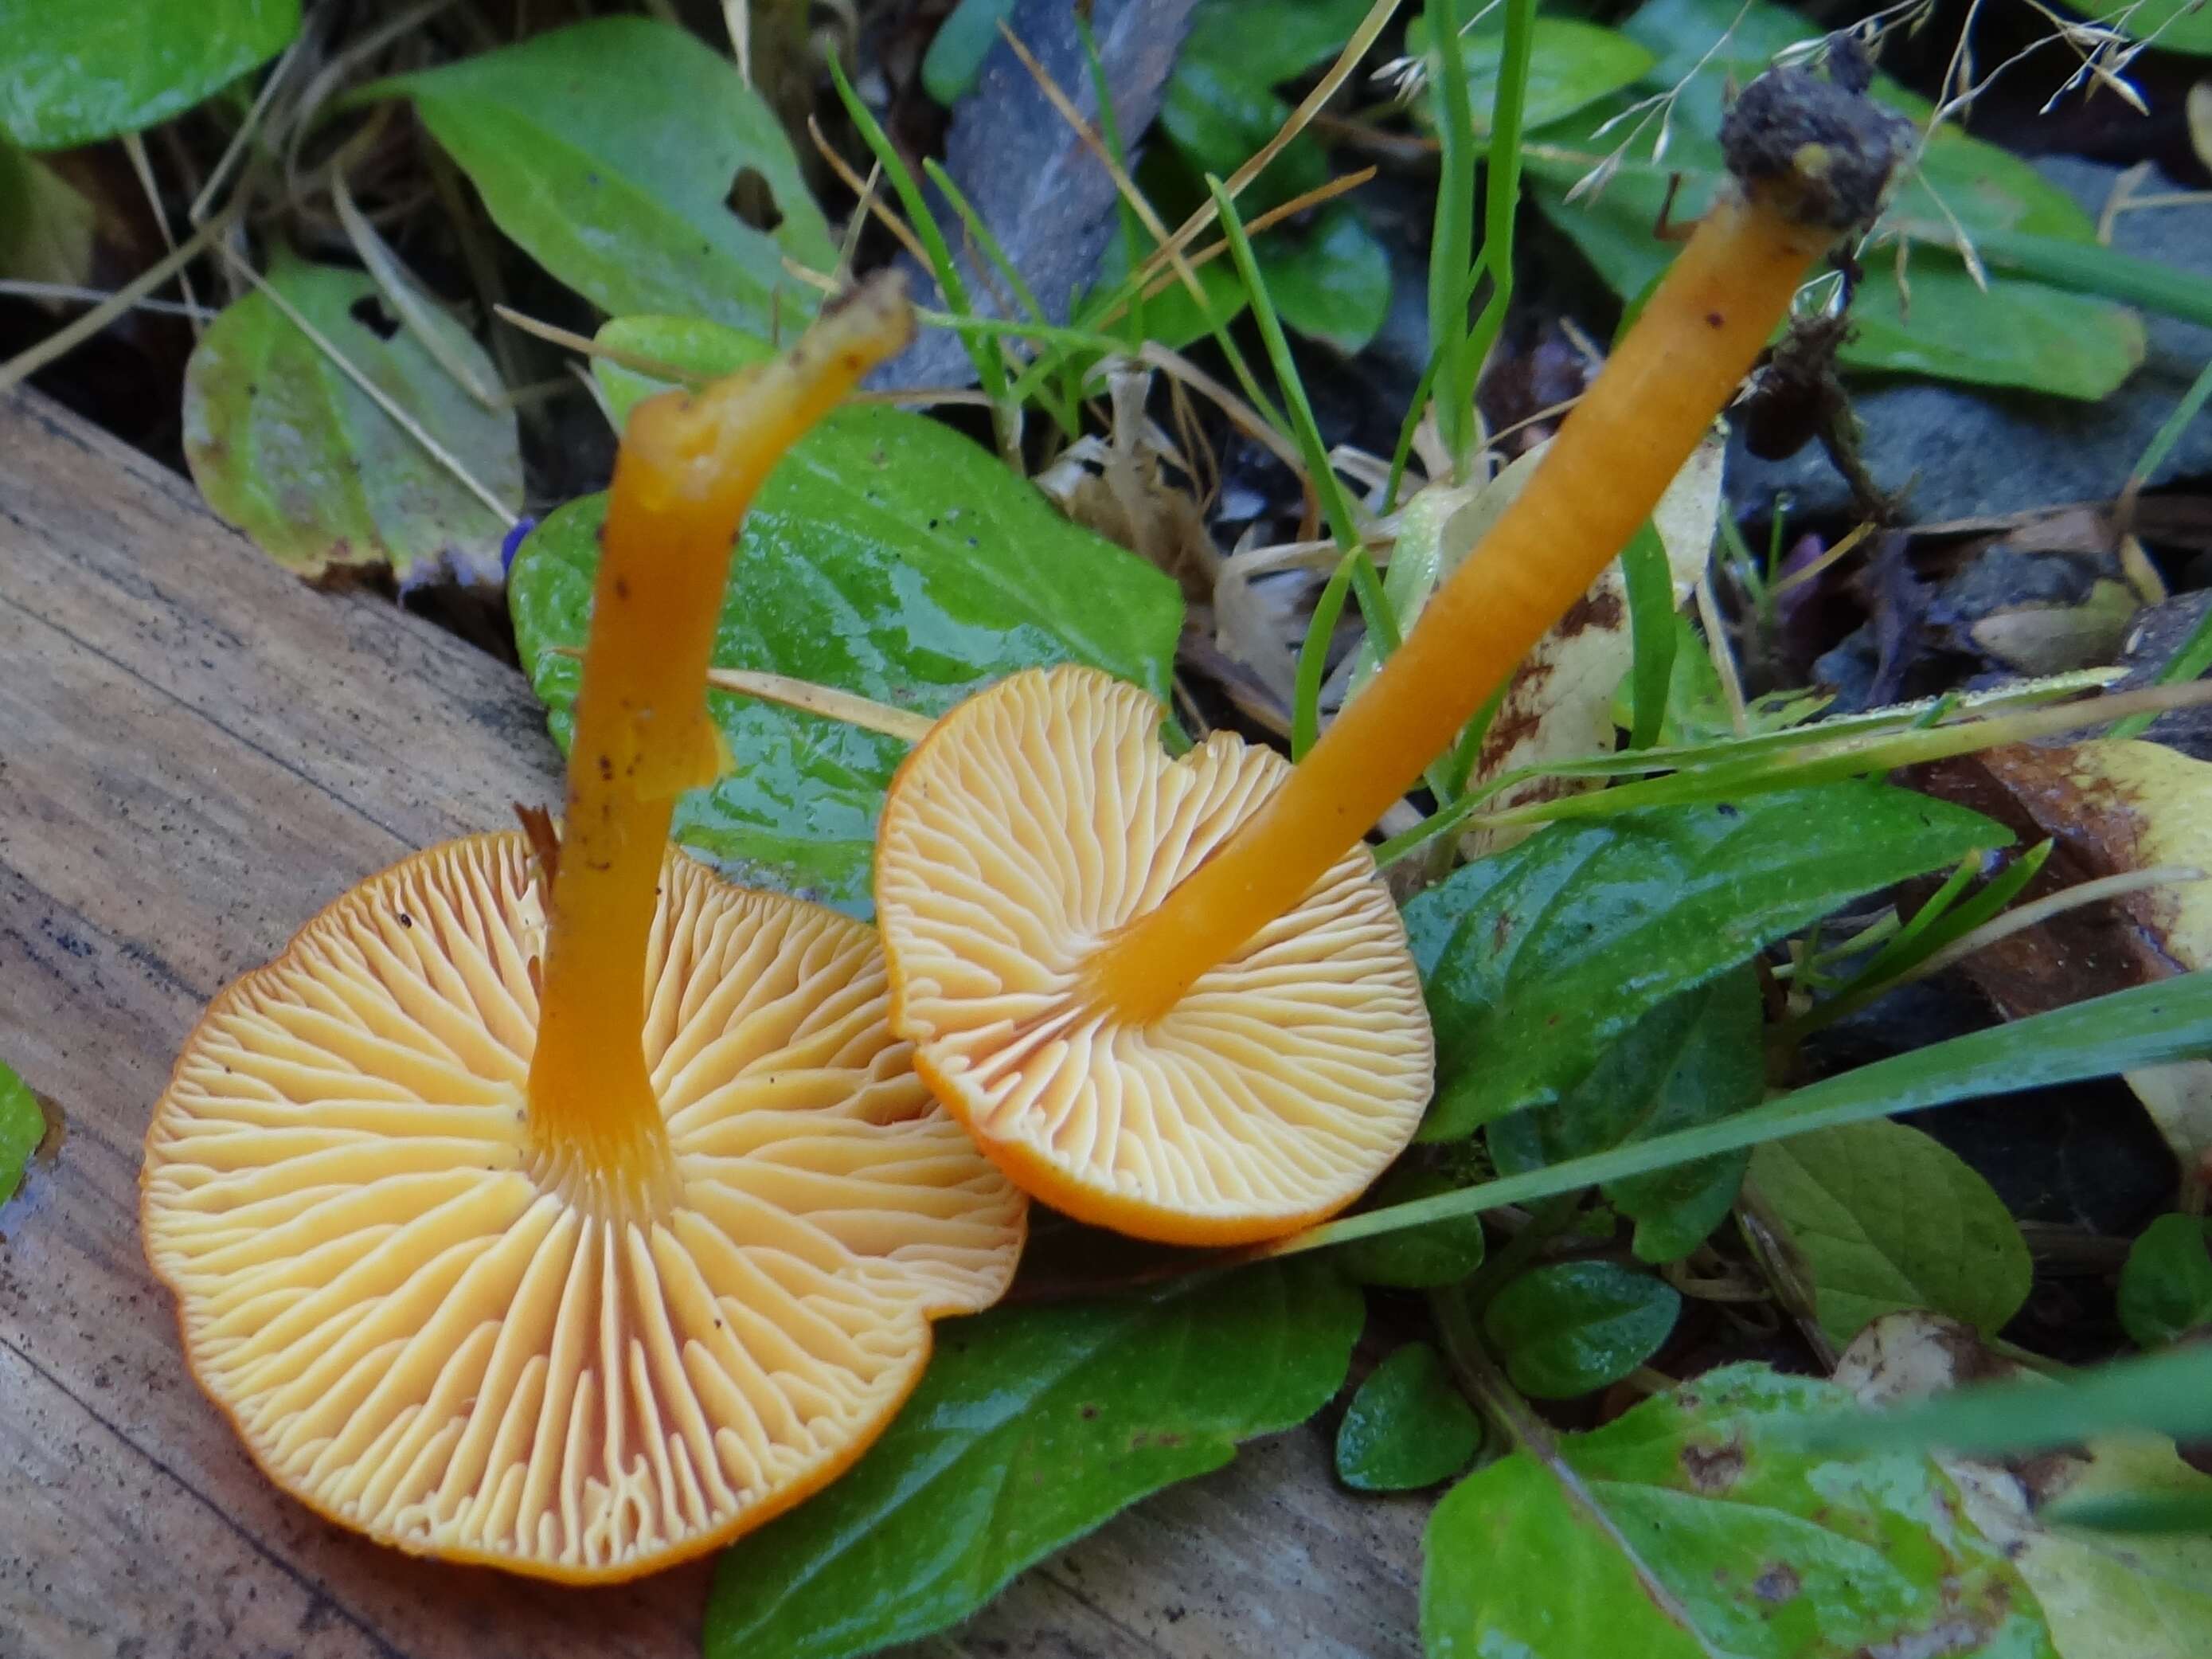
(197, 752)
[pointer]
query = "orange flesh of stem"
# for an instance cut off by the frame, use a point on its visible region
(1631, 433)
(690, 465)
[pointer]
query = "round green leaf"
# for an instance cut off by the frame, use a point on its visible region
(72, 71)
(1420, 1258)
(1566, 1329)
(1407, 1426)
(1885, 1218)
(285, 446)
(2165, 1288)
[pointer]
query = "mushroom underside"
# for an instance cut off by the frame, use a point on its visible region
(421, 1337)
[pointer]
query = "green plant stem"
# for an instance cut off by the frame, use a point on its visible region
(1451, 248)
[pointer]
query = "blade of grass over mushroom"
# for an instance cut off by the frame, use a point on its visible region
(288, 449)
(1536, 960)
(1624, 441)
(563, 136)
(891, 558)
(1032, 1427)
(71, 75)
(2147, 1025)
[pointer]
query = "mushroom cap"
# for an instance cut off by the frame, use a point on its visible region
(418, 1339)
(1039, 817)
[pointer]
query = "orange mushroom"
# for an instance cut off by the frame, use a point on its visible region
(1103, 956)
(1035, 820)
(576, 1220)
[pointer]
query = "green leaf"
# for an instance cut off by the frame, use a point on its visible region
(288, 449)
(2165, 1288)
(1571, 65)
(1031, 1426)
(961, 44)
(887, 556)
(608, 151)
(1331, 282)
(1420, 1258)
(2177, 25)
(1759, 1549)
(72, 71)
(1574, 1326)
(1407, 1426)
(1695, 1058)
(1536, 960)
(1886, 1218)
(2016, 333)
(23, 1127)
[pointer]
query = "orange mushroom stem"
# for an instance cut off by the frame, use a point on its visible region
(1810, 160)
(690, 467)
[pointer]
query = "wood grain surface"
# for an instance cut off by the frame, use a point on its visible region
(196, 753)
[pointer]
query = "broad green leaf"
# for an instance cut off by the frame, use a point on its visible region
(2017, 333)
(23, 1127)
(1267, 41)
(1407, 1426)
(1571, 64)
(1759, 1549)
(961, 44)
(887, 556)
(608, 151)
(1886, 1218)
(1574, 1326)
(1031, 1426)
(1330, 282)
(2165, 1288)
(46, 225)
(288, 449)
(1695, 1058)
(1537, 959)
(1420, 1258)
(2175, 25)
(72, 71)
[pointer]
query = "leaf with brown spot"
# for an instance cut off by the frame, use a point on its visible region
(2105, 1595)
(1698, 1524)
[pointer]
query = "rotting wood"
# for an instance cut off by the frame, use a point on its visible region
(196, 752)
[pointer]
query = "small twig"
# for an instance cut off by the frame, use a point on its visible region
(34, 357)
(2023, 916)
(30, 290)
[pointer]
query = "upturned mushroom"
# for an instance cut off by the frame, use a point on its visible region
(1171, 996)
(575, 1219)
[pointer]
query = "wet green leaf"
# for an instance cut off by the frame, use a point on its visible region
(1536, 960)
(1571, 64)
(2017, 333)
(1407, 1426)
(608, 151)
(1332, 281)
(1574, 1326)
(1886, 1218)
(2165, 1288)
(23, 1127)
(1420, 1258)
(288, 449)
(887, 556)
(1761, 1549)
(75, 70)
(1694, 1059)
(1031, 1426)
(2176, 25)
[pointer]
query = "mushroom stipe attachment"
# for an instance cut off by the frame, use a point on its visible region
(1035, 820)
(575, 1220)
